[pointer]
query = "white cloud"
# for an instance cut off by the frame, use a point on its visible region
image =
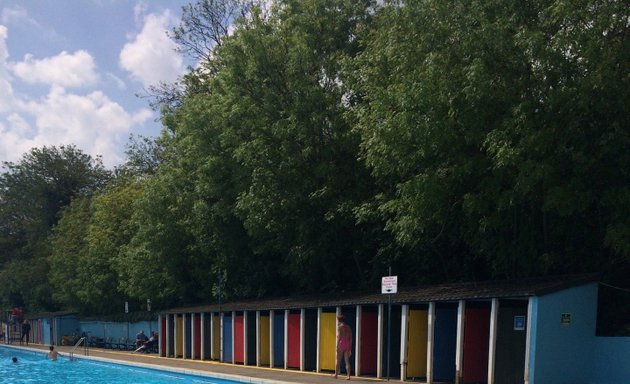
(92, 121)
(139, 10)
(14, 138)
(18, 16)
(6, 91)
(120, 84)
(151, 56)
(69, 70)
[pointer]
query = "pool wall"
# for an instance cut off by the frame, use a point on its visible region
(178, 374)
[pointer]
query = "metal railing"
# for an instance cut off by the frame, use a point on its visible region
(86, 349)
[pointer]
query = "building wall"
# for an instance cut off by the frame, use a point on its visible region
(562, 353)
(104, 329)
(46, 331)
(611, 361)
(563, 348)
(66, 326)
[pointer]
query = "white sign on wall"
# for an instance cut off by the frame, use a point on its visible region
(389, 284)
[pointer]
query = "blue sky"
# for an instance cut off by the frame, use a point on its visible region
(70, 71)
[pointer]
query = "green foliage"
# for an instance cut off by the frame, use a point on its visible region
(292, 128)
(495, 125)
(68, 249)
(320, 142)
(144, 156)
(154, 263)
(32, 193)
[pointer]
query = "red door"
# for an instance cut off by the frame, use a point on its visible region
(476, 345)
(239, 339)
(369, 342)
(197, 330)
(293, 358)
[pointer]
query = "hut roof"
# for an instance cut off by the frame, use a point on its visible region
(503, 289)
(43, 315)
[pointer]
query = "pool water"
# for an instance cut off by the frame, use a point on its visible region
(34, 368)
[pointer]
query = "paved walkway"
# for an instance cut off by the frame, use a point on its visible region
(247, 374)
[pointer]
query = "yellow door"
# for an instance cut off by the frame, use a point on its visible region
(417, 345)
(328, 339)
(216, 342)
(179, 336)
(264, 340)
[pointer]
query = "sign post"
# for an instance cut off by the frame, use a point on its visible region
(389, 286)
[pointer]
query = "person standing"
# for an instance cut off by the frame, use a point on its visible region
(26, 331)
(344, 345)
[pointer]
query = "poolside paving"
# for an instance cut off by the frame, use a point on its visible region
(248, 374)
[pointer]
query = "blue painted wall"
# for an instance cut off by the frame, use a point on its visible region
(278, 339)
(227, 338)
(66, 326)
(188, 336)
(563, 353)
(445, 343)
(105, 329)
(611, 361)
(46, 336)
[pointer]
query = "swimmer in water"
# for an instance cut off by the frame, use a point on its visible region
(52, 355)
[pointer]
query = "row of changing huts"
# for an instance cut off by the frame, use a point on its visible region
(518, 331)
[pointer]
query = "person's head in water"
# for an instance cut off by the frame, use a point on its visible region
(51, 348)
(14, 359)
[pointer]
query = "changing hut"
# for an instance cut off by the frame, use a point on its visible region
(531, 331)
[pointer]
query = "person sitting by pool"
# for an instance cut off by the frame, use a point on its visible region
(149, 344)
(52, 355)
(141, 338)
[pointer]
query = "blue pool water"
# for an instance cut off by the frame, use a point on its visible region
(34, 368)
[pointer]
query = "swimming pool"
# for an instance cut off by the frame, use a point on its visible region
(34, 368)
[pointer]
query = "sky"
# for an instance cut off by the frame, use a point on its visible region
(71, 70)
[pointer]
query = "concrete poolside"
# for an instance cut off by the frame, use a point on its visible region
(247, 374)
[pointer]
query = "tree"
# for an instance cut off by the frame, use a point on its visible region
(500, 129)
(32, 193)
(282, 100)
(111, 228)
(144, 156)
(203, 27)
(69, 246)
(155, 261)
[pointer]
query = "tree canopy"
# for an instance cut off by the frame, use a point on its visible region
(317, 143)
(33, 192)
